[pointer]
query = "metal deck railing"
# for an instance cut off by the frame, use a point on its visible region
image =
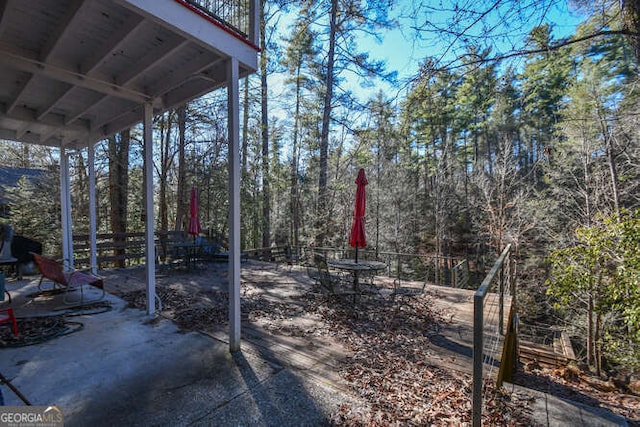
(436, 269)
(489, 326)
(235, 14)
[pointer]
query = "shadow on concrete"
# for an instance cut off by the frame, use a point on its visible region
(127, 368)
(547, 385)
(558, 405)
(448, 344)
(282, 400)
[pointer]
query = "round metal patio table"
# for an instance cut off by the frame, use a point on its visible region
(356, 268)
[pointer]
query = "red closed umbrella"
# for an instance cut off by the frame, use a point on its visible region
(194, 222)
(358, 238)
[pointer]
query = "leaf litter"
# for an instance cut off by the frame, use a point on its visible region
(390, 361)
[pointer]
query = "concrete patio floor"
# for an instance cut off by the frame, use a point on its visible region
(128, 368)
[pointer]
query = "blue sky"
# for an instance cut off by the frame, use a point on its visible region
(404, 53)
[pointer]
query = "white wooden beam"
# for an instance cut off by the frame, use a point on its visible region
(150, 60)
(72, 117)
(126, 32)
(52, 120)
(198, 64)
(63, 27)
(200, 85)
(233, 111)
(150, 259)
(116, 113)
(30, 138)
(43, 112)
(93, 248)
(73, 10)
(71, 77)
(65, 210)
(15, 101)
(116, 123)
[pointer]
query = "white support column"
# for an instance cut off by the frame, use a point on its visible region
(93, 249)
(65, 210)
(233, 110)
(148, 203)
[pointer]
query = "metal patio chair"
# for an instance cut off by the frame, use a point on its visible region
(54, 272)
(335, 283)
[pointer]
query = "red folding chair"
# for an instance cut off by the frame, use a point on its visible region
(7, 316)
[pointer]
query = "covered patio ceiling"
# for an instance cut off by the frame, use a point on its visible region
(73, 72)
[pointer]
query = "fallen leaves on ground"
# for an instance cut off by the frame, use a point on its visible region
(389, 339)
(390, 365)
(190, 311)
(391, 368)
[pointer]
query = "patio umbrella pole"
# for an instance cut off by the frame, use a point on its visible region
(194, 221)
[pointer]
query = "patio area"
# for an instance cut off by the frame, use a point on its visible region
(306, 358)
(130, 368)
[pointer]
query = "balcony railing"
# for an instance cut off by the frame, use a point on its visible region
(489, 332)
(237, 15)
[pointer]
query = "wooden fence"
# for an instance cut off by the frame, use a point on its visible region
(123, 249)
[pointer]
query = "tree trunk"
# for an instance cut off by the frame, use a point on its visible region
(489, 152)
(165, 163)
(181, 207)
(631, 19)
(597, 344)
(245, 235)
(590, 332)
(26, 162)
(612, 165)
(377, 195)
(266, 189)
(118, 149)
(586, 168)
(295, 211)
(81, 188)
(245, 128)
(324, 135)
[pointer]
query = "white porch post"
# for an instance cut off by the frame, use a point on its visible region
(65, 210)
(93, 250)
(233, 111)
(148, 198)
